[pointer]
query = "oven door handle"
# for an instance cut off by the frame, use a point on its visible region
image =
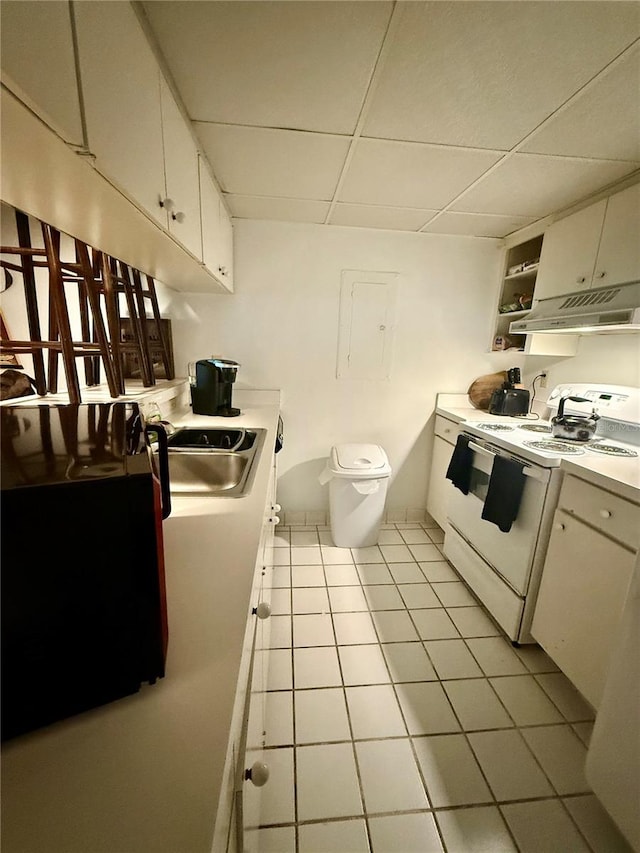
(528, 471)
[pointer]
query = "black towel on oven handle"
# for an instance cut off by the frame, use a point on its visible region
(504, 494)
(459, 470)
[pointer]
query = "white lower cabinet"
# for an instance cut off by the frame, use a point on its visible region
(247, 769)
(444, 439)
(584, 583)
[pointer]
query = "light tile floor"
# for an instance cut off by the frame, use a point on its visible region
(400, 719)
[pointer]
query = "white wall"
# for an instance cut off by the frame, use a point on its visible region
(282, 326)
(613, 358)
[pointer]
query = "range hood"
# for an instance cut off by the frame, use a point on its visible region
(602, 309)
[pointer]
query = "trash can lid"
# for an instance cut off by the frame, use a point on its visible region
(359, 459)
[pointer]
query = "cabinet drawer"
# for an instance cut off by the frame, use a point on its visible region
(446, 429)
(608, 513)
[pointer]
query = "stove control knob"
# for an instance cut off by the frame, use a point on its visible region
(605, 513)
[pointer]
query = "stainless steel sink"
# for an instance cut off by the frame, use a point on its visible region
(215, 462)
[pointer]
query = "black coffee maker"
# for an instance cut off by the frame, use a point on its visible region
(512, 399)
(211, 387)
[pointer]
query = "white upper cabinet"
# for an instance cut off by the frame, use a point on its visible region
(569, 252)
(121, 88)
(38, 63)
(181, 173)
(619, 253)
(598, 246)
(217, 230)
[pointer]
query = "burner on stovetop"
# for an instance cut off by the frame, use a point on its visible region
(496, 427)
(555, 448)
(536, 428)
(610, 450)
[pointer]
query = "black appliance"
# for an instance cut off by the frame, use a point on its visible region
(84, 617)
(211, 387)
(511, 399)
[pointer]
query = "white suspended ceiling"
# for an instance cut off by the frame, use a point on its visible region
(474, 118)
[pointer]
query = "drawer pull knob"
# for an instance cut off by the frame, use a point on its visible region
(263, 610)
(559, 526)
(258, 774)
(605, 513)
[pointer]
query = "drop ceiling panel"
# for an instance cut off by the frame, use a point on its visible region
(484, 74)
(405, 174)
(603, 121)
(273, 64)
(285, 209)
(368, 216)
(258, 161)
(477, 224)
(537, 185)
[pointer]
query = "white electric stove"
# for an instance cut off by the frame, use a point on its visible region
(504, 568)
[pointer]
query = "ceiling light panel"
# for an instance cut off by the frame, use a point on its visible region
(284, 163)
(284, 209)
(273, 64)
(368, 216)
(603, 121)
(537, 185)
(405, 174)
(477, 224)
(485, 74)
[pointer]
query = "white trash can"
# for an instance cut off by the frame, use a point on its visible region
(358, 475)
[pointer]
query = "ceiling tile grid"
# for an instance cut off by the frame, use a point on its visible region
(458, 116)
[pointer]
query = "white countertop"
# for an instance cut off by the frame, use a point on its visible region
(165, 747)
(620, 476)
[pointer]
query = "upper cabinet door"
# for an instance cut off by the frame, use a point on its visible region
(181, 171)
(619, 254)
(121, 87)
(569, 251)
(217, 232)
(38, 63)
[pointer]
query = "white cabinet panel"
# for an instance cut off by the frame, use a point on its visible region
(582, 593)
(181, 173)
(217, 231)
(569, 252)
(619, 253)
(38, 63)
(121, 88)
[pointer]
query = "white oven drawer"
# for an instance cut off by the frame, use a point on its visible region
(608, 513)
(504, 605)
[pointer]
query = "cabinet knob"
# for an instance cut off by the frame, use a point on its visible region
(258, 774)
(581, 279)
(559, 526)
(601, 274)
(222, 270)
(178, 217)
(276, 507)
(166, 203)
(275, 519)
(263, 610)
(605, 513)
(446, 431)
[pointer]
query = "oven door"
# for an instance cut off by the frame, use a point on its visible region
(510, 554)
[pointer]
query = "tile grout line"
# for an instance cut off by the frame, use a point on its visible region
(529, 673)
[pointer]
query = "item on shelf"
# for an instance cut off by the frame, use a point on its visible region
(525, 301)
(516, 268)
(528, 264)
(502, 343)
